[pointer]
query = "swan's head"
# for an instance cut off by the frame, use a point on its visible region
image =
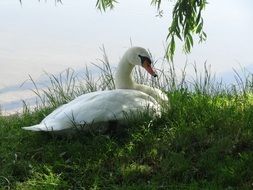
(140, 56)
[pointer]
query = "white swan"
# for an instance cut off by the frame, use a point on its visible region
(103, 106)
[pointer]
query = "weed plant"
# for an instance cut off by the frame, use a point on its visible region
(204, 141)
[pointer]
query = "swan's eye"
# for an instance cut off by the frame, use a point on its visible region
(144, 59)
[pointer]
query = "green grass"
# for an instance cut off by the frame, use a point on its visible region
(204, 141)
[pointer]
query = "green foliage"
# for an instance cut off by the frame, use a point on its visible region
(186, 21)
(204, 141)
(157, 3)
(105, 4)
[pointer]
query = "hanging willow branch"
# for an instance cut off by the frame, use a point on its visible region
(105, 4)
(186, 21)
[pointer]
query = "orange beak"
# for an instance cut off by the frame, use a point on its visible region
(148, 68)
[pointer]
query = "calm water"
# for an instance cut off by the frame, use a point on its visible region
(44, 36)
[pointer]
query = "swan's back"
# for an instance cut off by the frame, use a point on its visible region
(97, 107)
(104, 106)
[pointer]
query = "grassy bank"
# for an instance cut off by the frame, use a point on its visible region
(204, 141)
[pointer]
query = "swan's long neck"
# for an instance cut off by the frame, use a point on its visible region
(123, 79)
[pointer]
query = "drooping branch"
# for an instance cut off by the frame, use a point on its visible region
(186, 21)
(105, 4)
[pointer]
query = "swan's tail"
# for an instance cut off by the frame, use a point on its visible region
(38, 127)
(51, 126)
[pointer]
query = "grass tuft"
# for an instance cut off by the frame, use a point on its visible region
(203, 142)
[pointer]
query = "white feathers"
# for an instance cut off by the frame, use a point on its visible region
(104, 106)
